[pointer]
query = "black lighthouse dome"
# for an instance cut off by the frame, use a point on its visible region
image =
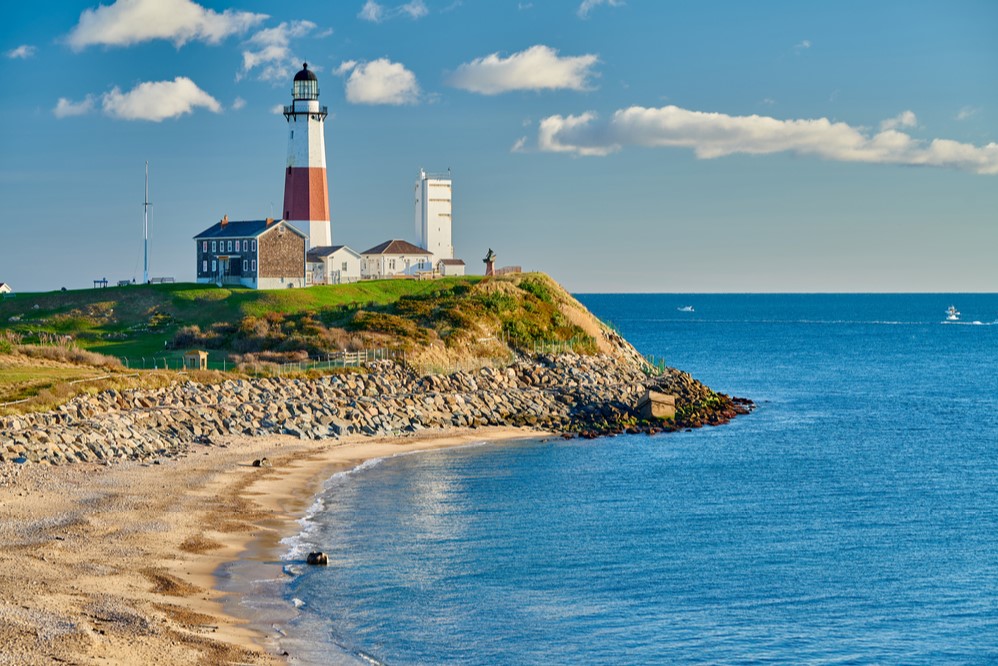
(306, 86)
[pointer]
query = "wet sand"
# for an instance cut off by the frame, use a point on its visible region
(117, 564)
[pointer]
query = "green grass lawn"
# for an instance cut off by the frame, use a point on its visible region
(24, 381)
(137, 320)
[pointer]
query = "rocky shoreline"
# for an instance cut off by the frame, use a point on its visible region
(585, 396)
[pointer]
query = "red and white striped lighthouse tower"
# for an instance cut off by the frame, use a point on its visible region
(306, 192)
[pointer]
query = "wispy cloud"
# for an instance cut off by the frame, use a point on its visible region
(714, 135)
(152, 100)
(519, 146)
(127, 22)
(376, 12)
(238, 103)
(22, 52)
(345, 67)
(967, 112)
(903, 119)
(66, 108)
(537, 68)
(802, 45)
(588, 5)
(380, 81)
(270, 51)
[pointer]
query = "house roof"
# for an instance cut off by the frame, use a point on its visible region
(452, 262)
(396, 246)
(317, 253)
(244, 229)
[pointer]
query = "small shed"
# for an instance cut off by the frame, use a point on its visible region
(196, 360)
(448, 267)
(657, 405)
(5, 288)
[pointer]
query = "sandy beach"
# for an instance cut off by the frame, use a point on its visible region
(117, 564)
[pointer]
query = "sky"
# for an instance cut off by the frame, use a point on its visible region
(618, 145)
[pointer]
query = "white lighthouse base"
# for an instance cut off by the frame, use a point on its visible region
(319, 232)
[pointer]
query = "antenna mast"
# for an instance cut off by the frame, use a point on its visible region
(145, 231)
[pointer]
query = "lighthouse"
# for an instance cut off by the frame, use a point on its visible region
(306, 192)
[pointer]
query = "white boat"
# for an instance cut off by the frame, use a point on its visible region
(686, 308)
(952, 314)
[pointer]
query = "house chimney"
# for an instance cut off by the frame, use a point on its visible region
(270, 221)
(225, 220)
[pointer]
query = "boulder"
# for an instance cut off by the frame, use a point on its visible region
(317, 558)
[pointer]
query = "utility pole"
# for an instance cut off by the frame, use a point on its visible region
(145, 231)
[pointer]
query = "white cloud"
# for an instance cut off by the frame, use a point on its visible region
(713, 135)
(415, 9)
(519, 146)
(270, 51)
(376, 12)
(589, 5)
(903, 119)
(372, 11)
(238, 103)
(537, 68)
(152, 100)
(345, 67)
(132, 21)
(802, 45)
(157, 100)
(768, 101)
(65, 108)
(277, 109)
(382, 82)
(22, 52)
(967, 112)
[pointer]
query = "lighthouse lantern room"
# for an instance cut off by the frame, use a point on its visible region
(306, 191)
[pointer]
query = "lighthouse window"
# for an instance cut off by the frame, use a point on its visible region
(292, 134)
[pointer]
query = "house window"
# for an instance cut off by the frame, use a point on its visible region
(204, 266)
(230, 246)
(391, 265)
(254, 246)
(213, 246)
(245, 265)
(245, 246)
(344, 268)
(214, 265)
(204, 246)
(254, 265)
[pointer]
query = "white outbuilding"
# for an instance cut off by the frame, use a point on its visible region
(333, 264)
(450, 267)
(395, 258)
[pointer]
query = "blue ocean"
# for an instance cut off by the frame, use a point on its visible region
(852, 518)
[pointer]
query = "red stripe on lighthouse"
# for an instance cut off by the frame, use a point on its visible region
(306, 194)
